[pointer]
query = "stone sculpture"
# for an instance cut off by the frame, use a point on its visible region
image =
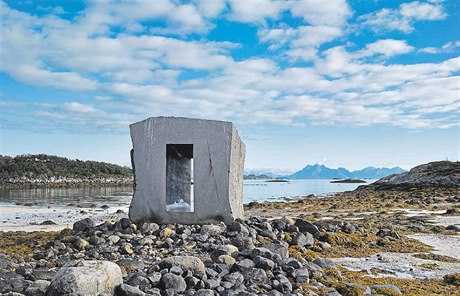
(186, 171)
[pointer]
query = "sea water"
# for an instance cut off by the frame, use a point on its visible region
(253, 190)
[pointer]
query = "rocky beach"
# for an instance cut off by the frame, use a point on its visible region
(391, 240)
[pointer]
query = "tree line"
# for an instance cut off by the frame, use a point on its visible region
(47, 166)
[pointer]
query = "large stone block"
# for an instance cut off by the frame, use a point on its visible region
(187, 171)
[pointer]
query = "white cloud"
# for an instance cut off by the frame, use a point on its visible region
(449, 47)
(78, 107)
(211, 8)
(322, 23)
(386, 47)
(131, 76)
(325, 13)
(403, 18)
(255, 10)
(422, 11)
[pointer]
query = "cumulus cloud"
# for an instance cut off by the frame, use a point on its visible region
(449, 47)
(327, 13)
(386, 47)
(256, 10)
(404, 17)
(138, 73)
(321, 24)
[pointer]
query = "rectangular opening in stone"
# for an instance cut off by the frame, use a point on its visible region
(179, 178)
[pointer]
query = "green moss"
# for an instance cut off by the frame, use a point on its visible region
(22, 244)
(350, 290)
(436, 257)
(386, 291)
(407, 286)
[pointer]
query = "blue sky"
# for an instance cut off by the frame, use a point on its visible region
(344, 83)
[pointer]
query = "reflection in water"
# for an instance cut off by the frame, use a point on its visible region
(253, 190)
(63, 196)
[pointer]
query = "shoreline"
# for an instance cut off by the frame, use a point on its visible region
(367, 238)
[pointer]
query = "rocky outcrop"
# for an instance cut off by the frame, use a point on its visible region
(433, 174)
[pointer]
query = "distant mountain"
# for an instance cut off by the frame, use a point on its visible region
(318, 171)
(376, 173)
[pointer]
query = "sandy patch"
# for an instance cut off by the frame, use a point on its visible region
(400, 265)
(21, 218)
(447, 245)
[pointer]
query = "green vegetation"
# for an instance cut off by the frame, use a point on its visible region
(42, 166)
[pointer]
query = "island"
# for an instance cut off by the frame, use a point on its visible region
(348, 181)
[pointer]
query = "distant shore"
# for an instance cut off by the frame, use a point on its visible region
(64, 182)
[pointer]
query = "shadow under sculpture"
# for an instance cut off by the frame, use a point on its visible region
(187, 171)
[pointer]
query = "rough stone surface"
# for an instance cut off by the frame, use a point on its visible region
(434, 174)
(191, 263)
(173, 281)
(218, 160)
(86, 278)
(127, 290)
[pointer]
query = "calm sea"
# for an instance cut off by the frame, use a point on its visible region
(253, 190)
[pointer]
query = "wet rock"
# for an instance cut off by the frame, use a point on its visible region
(48, 222)
(86, 278)
(127, 290)
(140, 280)
(174, 282)
(83, 225)
(453, 227)
(305, 226)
